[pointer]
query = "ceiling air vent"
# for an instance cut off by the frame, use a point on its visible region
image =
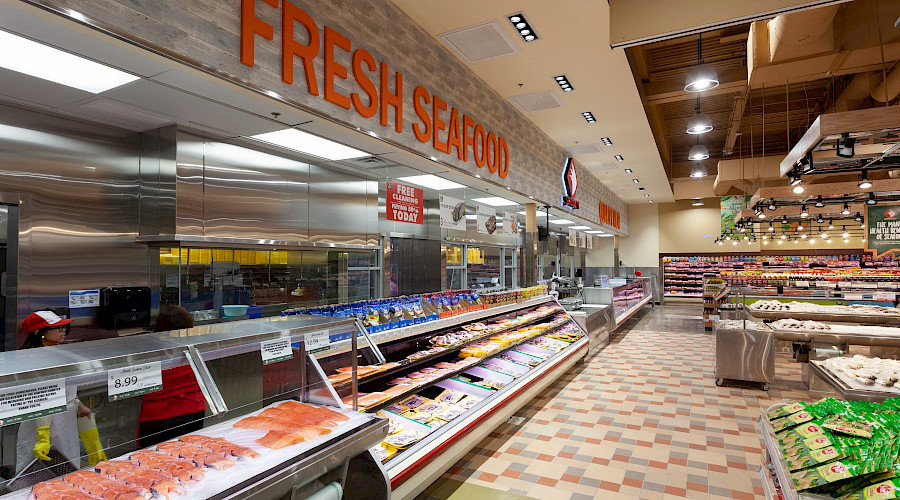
(597, 167)
(537, 101)
(480, 42)
(585, 149)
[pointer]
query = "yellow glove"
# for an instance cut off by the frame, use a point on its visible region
(87, 431)
(42, 446)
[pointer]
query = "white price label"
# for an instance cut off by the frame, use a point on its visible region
(863, 284)
(844, 284)
(30, 401)
(276, 350)
(317, 341)
(886, 284)
(714, 317)
(887, 296)
(134, 380)
(825, 284)
(801, 283)
(853, 296)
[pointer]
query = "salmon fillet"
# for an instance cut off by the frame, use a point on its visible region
(184, 470)
(296, 406)
(58, 489)
(278, 439)
(156, 481)
(219, 445)
(104, 487)
(197, 455)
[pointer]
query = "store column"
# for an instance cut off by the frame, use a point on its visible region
(616, 255)
(529, 249)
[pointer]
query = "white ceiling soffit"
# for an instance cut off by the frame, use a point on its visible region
(584, 149)
(596, 167)
(480, 42)
(537, 101)
(129, 117)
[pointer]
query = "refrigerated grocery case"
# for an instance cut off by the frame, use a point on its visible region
(238, 369)
(492, 384)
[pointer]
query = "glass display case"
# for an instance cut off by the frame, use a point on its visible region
(232, 410)
(448, 383)
(626, 296)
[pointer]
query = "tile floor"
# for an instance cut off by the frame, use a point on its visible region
(642, 418)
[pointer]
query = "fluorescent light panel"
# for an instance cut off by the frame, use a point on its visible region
(48, 63)
(580, 227)
(595, 232)
(303, 142)
(431, 182)
(619, 158)
(589, 116)
(564, 83)
(495, 201)
(561, 222)
(606, 141)
(471, 216)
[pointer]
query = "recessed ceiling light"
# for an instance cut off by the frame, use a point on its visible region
(628, 170)
(595, 232)
(477, 176)
(589, 117)
(561, 222)
(564, 83)
(431, 182)
(619, 158)
(580, 227)
(646, 195)
(636, 181)
(651, 201)
(495, 201)
(521, 25)
(303, 142)
(606, 141)
(47, 63)
(641, 189)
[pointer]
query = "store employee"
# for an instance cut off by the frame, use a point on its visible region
(61, 431)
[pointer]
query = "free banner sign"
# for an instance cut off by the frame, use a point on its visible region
(404, 203)
(882, 229)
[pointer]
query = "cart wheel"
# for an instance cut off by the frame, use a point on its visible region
(720, 382)
(765, 387)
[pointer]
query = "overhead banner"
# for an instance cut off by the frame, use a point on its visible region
(510, 224)
(453, 213)
(882, 229)
(573, 238)
(590, 241)
(731, 205)
(582, 239)
(404, 203)
(486, 219)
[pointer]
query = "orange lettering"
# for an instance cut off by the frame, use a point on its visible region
(439, 125)
(290, 47)
(388, 99)
(503, 166)
(467, 139)
(361, 56)
(476, 143)
(453, 133)
(491, 158)
(252, 26)
(420, 100)
(334, 68)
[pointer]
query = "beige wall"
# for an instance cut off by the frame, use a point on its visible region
(602, 255)
(641, 247)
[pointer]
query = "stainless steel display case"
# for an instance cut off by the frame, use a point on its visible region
(625, 300)
(744, 354)
(226, 363)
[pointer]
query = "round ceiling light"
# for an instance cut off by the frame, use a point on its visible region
(698, 152)
(701, 78)
(699, 171)
(699, 124)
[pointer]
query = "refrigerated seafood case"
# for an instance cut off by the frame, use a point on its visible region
(240, 375)
(447, 384)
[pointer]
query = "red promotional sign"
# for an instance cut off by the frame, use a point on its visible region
(404, 203)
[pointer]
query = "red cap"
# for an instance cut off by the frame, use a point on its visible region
(42, 319)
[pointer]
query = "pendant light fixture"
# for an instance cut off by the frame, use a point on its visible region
(699, 171)
(703, 76)
(864, 182)
(699, 123)
(871, 200)
(698, 152)
(846, 210)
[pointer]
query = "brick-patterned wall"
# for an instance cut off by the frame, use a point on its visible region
(209, 31)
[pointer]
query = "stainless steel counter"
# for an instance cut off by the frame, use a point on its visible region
(597, 320)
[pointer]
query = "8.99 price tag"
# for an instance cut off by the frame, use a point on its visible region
(134, 381)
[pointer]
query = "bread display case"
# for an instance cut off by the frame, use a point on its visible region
(446, 384)
(232, 410)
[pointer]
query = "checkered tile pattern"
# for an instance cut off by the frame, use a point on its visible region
(641, 419)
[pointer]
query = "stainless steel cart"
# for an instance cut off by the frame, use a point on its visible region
(745, 354)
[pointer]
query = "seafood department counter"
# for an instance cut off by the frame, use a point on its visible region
(270, 423)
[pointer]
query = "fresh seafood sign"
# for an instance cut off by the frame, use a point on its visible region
(453, 213)
(404, 203)
(486, 218)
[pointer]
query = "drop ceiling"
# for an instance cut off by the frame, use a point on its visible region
(573, 41)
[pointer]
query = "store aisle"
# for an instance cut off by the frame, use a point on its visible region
(641, 419)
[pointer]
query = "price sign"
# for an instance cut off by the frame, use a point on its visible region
(801, 283)
(317, 341)
(844, 284)
(825, 284)
(853, 296)
(886, 284)
(134, 380)
(862, 284)
(30, 401)
(886, 296)
(276, 350)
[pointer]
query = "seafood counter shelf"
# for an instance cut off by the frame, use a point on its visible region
(853, 392)
(230, 475)
(838, 314)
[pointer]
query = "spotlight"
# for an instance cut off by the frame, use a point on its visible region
(795, 180)
(819, 202)
(770, 227)
(765, 242)
(824, 236)
(858, 217)
(728, 237)
(783, 236)
(772, 205)
(804, 212)
(699, 124)
(701, 77)
(521, 25)
(830, 224)
(800, 227)
(765, 236)
(798, 189)
(846, 210)
(864, 182)
(820, 220)
(871, 200)
(734, 242)
(796, 241)
(845, 234)
(698, 202)
(846, 146)
(862, 226)
(779, 242)
(803, 236)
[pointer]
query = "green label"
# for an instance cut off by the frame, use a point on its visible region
(136, 392)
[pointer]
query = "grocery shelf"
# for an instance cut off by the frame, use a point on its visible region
(769, 489)
(845, 390)
(773, 453)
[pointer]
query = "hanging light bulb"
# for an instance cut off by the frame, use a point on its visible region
(734, 242)
(846, 210)
(798, 188)
(804, 212)
(698, 152)
(783, 236)
(703, 76)
(871, 200)
(824, 236)
(765, 237)
(779, 242)
(803, 236)
(720, 243)
(820, 220)
(864, 182)
(830, 224)
(796, 241)
(858, 217)
(772, 205)
(770, 227)
(820, 202)
(698, 171)
(699, 123)
(765, 242)
(845, 234)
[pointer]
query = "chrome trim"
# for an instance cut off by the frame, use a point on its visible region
(187, 240)
(198, 374)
